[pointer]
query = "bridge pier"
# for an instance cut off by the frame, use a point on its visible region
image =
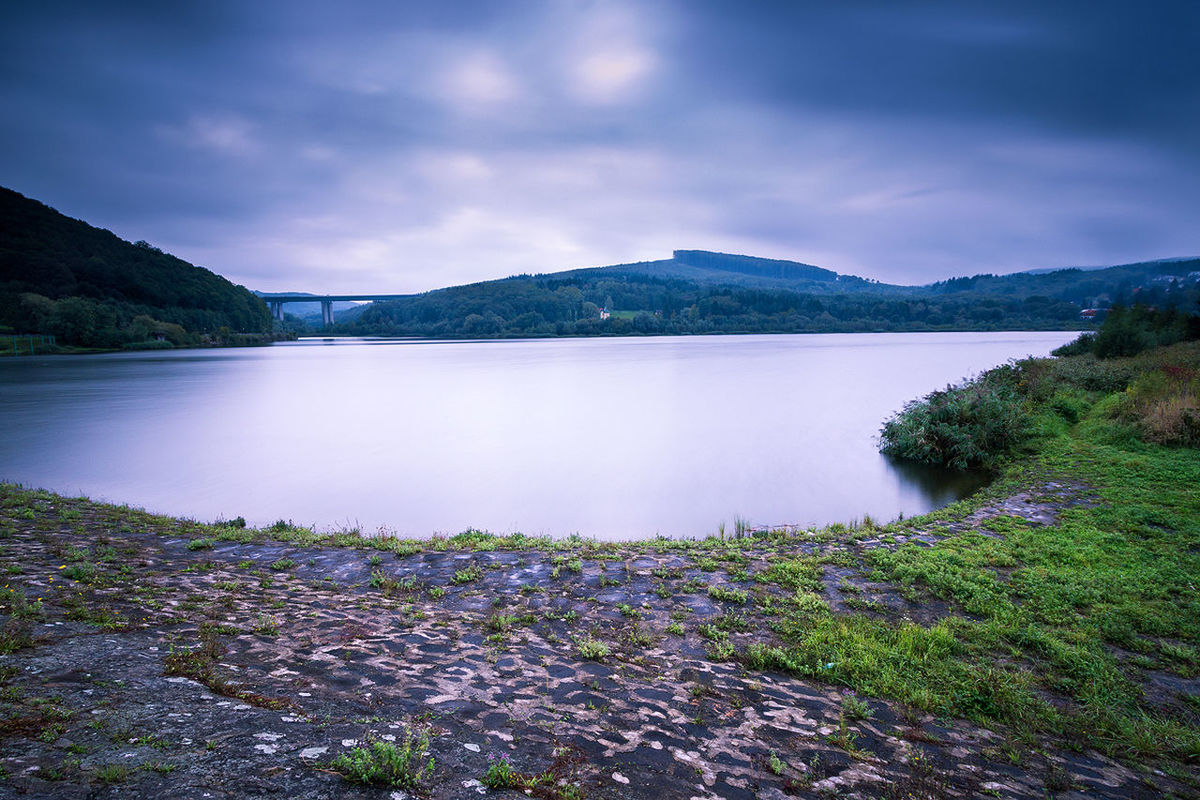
(276, 302)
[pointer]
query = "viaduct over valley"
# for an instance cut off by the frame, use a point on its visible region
(275, 302)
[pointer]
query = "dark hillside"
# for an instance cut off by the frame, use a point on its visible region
(48, 260)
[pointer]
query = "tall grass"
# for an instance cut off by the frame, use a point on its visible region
(1165, 404)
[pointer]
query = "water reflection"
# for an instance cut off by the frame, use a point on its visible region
(938, 485)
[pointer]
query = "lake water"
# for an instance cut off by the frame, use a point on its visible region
(612, 438)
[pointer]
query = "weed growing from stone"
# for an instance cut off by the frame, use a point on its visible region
(381, 763)
(112, 773)
(640, 636)
(15, 635)
(592, 649)
(468, 575)
(82, 571)
(500, 774)
(853, 707)
(720, 651)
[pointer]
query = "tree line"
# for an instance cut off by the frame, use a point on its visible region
(643, 305)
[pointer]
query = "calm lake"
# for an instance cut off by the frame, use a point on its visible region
(612, 438)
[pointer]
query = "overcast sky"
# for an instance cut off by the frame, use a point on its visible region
(394, 146)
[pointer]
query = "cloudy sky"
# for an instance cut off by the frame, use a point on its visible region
(385, 145)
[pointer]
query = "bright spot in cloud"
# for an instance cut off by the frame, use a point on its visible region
(612, 75)
(454, 167)
(479, 79)
(222, 134)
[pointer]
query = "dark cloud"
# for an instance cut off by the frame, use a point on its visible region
(402, 146)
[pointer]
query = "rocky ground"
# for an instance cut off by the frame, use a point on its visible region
(145, 660)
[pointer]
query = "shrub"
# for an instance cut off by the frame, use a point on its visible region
(967, 426)
(1079, 346)
(386, 764)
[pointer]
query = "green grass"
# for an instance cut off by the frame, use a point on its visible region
(1039, 610)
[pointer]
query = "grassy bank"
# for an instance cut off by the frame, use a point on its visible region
(1065, 628)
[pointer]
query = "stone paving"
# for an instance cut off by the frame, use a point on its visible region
(323, 649)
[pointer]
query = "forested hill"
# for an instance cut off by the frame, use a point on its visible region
(87, 286)
(700, 292)
(724, 269)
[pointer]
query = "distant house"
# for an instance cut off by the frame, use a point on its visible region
(1093, 314)
(604, 313)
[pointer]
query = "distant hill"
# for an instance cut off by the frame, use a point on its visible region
(1087, 287)
(724, 269)
(703, 292)
(62, 276)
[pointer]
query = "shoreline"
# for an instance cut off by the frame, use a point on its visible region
(294, 336)
(1037, 638)
(634, 659)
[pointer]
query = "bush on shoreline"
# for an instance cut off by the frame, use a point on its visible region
(968, 426)
(980, 423)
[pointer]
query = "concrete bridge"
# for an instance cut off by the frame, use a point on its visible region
(275, 302)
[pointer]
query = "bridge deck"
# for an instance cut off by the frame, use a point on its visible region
(325, 298)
